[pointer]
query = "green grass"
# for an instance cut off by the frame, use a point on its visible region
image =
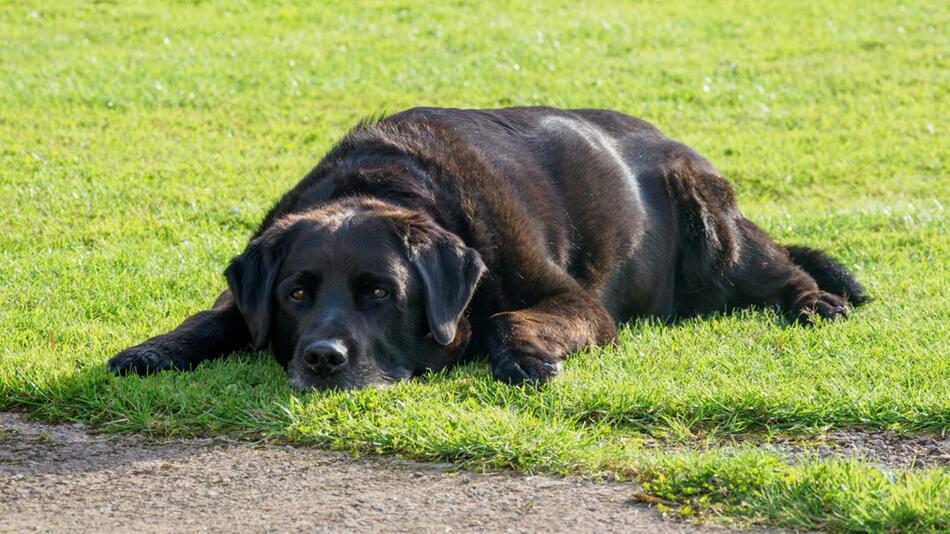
(140, 144)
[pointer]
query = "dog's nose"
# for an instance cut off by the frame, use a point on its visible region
(326, 356)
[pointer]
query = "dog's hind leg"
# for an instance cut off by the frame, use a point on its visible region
(728, 262)
(765, 274)
(205, 335)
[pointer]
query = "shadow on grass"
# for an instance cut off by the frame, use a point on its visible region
(613, 390)
(246, 394)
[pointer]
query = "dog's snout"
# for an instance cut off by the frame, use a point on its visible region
(326, 356)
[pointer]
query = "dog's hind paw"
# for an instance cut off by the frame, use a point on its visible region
(142, 359)
(822, 304)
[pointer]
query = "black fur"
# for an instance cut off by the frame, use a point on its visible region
(830, 275)
(525, 233)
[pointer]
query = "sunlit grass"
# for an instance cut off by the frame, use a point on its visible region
(140, 144)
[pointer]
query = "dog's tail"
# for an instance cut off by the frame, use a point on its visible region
(830, 275)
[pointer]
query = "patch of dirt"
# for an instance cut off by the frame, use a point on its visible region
(884, 448)
(57, 478)
(887, 449)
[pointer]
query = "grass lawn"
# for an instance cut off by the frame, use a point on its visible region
(140, 144)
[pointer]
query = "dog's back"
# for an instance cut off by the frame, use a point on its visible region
(586, 190)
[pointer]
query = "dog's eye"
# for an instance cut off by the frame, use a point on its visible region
(298, 294)
(379, 293)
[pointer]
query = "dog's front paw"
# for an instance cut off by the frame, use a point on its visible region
(525, 368)
(821, 304)
(142, 359)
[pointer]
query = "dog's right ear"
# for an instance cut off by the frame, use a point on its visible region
(251, 276)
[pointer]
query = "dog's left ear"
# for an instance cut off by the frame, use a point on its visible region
(449, 272)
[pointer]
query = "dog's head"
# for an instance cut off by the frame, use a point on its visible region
(357, 293)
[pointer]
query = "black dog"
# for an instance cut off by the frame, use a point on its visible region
(524, 233)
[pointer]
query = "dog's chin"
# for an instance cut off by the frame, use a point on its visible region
(305, 381)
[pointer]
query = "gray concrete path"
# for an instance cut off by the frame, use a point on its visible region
(61, 478)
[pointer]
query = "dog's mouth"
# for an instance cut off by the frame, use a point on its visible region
(397, 375)
(357, 377)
